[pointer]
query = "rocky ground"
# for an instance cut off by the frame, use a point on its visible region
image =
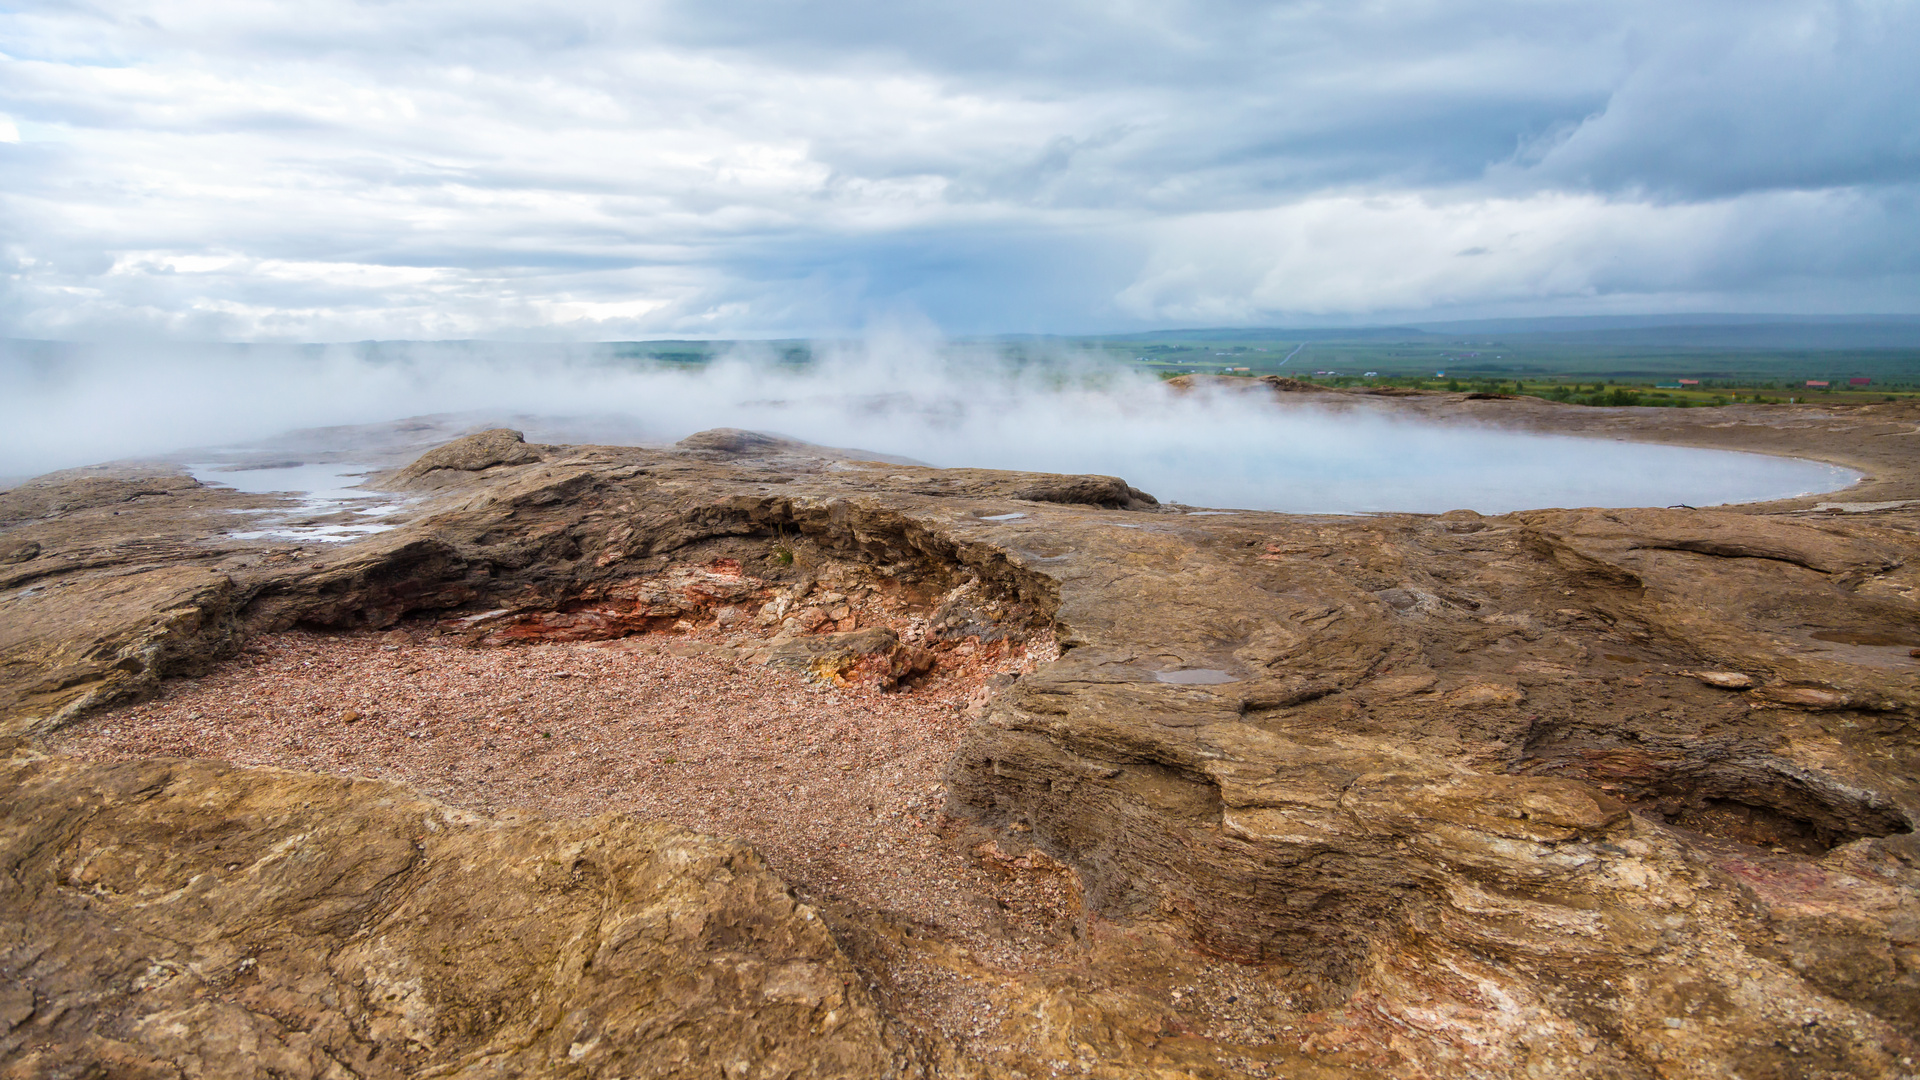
(1048, 779)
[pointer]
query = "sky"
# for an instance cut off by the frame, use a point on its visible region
(197, 170)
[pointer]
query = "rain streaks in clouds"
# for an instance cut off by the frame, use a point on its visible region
(334, 170)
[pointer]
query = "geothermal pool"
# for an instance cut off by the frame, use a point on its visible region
(1313, 465)
(1226, 455)
(1434, 469)
(1228, 448)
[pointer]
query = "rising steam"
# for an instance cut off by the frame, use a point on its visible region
(892, 393)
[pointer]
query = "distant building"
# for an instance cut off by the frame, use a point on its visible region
(1667, 386)
(1816, 384)
(1688, 382)
(1439, 374)
(1859, 382)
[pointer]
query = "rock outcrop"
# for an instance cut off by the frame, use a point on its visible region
(1560, 793)
(469, 454)
(1416, 760)
(178, 918)
(876, 655)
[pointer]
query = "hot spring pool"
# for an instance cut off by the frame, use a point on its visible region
(1433, 470)
(1304, 462)
(1241, 451)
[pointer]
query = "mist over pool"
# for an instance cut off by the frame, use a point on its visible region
(942, 404)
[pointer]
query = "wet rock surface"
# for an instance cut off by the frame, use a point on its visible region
(1556, 793)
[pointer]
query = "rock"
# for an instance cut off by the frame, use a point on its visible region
(1803, 697)
(808, 620)
(1107, 491)
(470, 454)
(1486, 695)
(1594, 862)
(242, 922)
(19, 551)
(875, 654)
(76, 490)
(1396, 686)
(1397, 599)
(107, 638)
(735, 442)
(723, 444)
(1725, 680)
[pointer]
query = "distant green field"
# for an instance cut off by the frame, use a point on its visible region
(1568, 371)
(1612, 368)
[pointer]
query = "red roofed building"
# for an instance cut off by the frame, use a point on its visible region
(1817, 384)
(1859, 382)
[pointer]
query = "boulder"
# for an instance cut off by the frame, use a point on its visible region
(736, 442)
(468, 454)
(875, 655)
(1108, 491)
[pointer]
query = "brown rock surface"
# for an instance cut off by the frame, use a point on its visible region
(875, 655)
(168, 917)
(469, 454)
(1439, 796)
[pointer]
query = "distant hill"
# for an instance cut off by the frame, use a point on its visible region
(1697, 330)
(1700, 331)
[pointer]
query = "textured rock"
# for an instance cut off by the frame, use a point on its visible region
(1725, 680)
(168, 918)
(876, 655)
(1422, 791)
(1108, 491)
(468, 454)
(88, 489)
(1460, 783)
(735, 442)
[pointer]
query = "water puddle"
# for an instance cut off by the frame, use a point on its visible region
(323, 533)
(323, 491)
(1860, 507)
(1195, 677)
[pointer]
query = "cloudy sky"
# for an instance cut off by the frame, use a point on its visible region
(330, 170)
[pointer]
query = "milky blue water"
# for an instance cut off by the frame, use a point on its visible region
(1433, 470)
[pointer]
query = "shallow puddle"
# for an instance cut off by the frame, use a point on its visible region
(1196, 677)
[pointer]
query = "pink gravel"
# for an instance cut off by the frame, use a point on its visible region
(837, 786)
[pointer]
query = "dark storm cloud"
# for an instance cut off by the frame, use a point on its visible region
(335, 169)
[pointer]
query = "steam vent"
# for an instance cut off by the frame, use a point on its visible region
(750, 759)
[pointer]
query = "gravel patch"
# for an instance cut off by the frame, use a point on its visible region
(838, 786)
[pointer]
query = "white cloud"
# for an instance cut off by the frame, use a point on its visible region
(487, 168)
(1404, 253)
